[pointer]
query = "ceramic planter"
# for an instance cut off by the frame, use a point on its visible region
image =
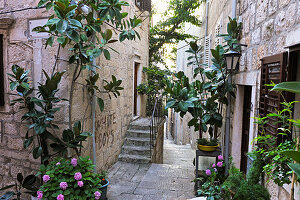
(104, 191)
(207, 148)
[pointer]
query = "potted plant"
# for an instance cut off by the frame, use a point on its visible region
(70, 178)
(207, 145)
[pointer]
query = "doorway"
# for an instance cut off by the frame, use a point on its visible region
(136, 81)
(245, 127)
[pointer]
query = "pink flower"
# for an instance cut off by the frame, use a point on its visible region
(60, 197)
(39, 195)
(220, 157)
(58, 163)
(63, 185)
(74, 162)
(214, 165)
(219, 164)
(78, 176)
(46, 178)
(80, 183)
(208, 172)
(97, 195)
(215, 169)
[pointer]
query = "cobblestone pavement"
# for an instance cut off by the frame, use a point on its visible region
(169, 181)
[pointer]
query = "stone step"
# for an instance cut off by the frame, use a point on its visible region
(134, 158)
(135, 141)
(136, 150)
(138, 133)
(139, 126)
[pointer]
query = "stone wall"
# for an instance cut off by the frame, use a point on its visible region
(158, 150)
(268, 27)
(27, 49)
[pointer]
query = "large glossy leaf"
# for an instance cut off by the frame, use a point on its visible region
(288, 86)
(295, 168)
(37, 152)
(170, 104)
(295, 155)
(100, 104)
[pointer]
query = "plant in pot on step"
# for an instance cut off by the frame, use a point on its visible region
(72, 179)
(207, 145)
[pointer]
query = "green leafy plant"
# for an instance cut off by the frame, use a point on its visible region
(21, 183)
(237, 187)
(276, 164)
(212, 180)
(72, 179)
(204, 98)
(170, 29)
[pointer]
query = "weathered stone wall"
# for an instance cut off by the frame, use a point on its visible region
(267, 29)
(26, 49)
(158, 150)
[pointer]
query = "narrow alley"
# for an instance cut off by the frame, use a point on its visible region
(168, 181)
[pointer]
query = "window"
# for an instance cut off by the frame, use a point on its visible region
(144, 4)
(274, 69)
(207, 50)
(1, 72)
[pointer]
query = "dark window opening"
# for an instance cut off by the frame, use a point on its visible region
(144, 4)
(1, 72)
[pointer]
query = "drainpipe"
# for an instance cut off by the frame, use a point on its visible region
(94, 110)
(206, 17)
(228, 110)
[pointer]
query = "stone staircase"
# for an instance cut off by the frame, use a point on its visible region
(136, 148)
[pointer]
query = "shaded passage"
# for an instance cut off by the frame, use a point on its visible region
(172, 180)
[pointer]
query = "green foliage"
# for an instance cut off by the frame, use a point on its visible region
(276, 163)
(204, 141)
(61, 170)
(204, 98)
(237, 187)
(156, 81)
(39, 114)
(248, 191)
(22, 183)
(79, 25)
(169, 30)
(288, 86)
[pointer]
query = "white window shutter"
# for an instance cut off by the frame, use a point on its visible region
(207, 50)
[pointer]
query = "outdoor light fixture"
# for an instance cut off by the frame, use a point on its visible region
(232, 57)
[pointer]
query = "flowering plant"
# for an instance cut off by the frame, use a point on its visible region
(70, 179)
(214, 177)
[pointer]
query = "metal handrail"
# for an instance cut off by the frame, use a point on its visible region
(155, 120)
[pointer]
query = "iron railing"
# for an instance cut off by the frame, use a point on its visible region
(156, 119)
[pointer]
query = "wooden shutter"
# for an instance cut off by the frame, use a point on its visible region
(1, 72)
(144, 4)
(274, 69)
(218, 40)
(207, 50)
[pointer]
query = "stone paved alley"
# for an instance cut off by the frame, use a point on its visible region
(169, 181)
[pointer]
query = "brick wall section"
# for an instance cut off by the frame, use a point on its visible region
(111, 125)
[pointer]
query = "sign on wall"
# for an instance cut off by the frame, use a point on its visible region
(32, 23)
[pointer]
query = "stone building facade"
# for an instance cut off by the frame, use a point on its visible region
(27, 49)
(270, 27)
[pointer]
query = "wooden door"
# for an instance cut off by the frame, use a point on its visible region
(245, 127)
(1, 72)
(136, 69)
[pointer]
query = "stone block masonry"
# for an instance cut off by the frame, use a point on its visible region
(28, 50)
